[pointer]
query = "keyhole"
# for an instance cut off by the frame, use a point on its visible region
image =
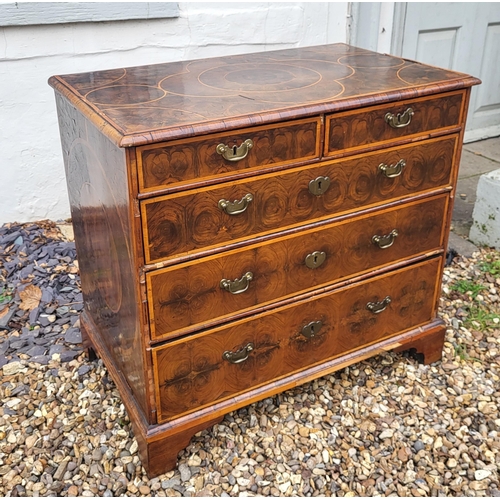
(234, 150)
(315, 259)
(319, 186)
(312, 330)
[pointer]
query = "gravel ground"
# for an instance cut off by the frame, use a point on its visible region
(383, 427)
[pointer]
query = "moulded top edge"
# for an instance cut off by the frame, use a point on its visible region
(155, 103)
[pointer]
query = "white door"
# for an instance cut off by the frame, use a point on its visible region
(463, 36)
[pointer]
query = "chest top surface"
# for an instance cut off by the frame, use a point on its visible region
(146, 104)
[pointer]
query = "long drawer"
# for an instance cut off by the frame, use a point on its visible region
(198, 160)
(187, 296)
(391, 122)
(218, 364)
(181, 224)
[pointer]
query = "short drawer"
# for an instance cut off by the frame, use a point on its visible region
(183, 223)
(197, 161)
(218, 364)
(190, 296)
(392, 122)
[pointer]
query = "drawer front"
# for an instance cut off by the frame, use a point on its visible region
(355, 129)
(221, 363)
(163, 166)
(179, 224)
(217, 287)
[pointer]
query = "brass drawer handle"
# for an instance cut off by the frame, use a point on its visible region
(237, 206)
(385, 241)
(318, 186)
(237, 286)
(311, 329)
(315, 259)
(400, 120)
(392, 171)
(378, 307)
(238, 356)
(235, 153)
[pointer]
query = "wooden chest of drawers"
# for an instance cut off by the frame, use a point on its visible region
(246, 224)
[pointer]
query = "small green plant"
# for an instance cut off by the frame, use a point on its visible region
(5, 295)
(465, 286)
(491, 266)
(461, 352)
(482, 318)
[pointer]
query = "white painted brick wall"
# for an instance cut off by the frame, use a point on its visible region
(32, 174)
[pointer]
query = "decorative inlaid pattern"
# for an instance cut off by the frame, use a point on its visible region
(178, 224)
(139, 101)
(192, 373)
(191, 295)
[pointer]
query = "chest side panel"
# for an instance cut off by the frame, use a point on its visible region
(98, 192)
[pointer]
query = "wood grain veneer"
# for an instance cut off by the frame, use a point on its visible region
(193, 373)
(153, 243)
(187, 296)
(197, 160)
(185, 222)
(355, 129)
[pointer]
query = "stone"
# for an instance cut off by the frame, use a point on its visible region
(83, 370)
(12, 368)
(36, 350)
(485, 228)
(481, 474)
(5, 317)
(185, 472)
(68, 355)
(418, 445)
(73, 336)
(59, 473)
(461, 246)
(387, 433)
(42, 360)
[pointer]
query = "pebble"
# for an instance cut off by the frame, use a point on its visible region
(185, 472)
(481, 474)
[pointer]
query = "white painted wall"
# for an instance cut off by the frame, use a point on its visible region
(33, 186)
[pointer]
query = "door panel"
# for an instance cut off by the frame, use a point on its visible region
(463, 37)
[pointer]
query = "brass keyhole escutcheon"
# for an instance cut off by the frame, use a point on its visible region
(311, 329)
(400, 120)
(315, 259)
(318, 186)
(235, 153)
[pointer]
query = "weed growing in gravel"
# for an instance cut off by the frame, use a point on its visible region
(464, 286)
(5, 295)
(491, 265)
(461, 352)
(482, 318)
